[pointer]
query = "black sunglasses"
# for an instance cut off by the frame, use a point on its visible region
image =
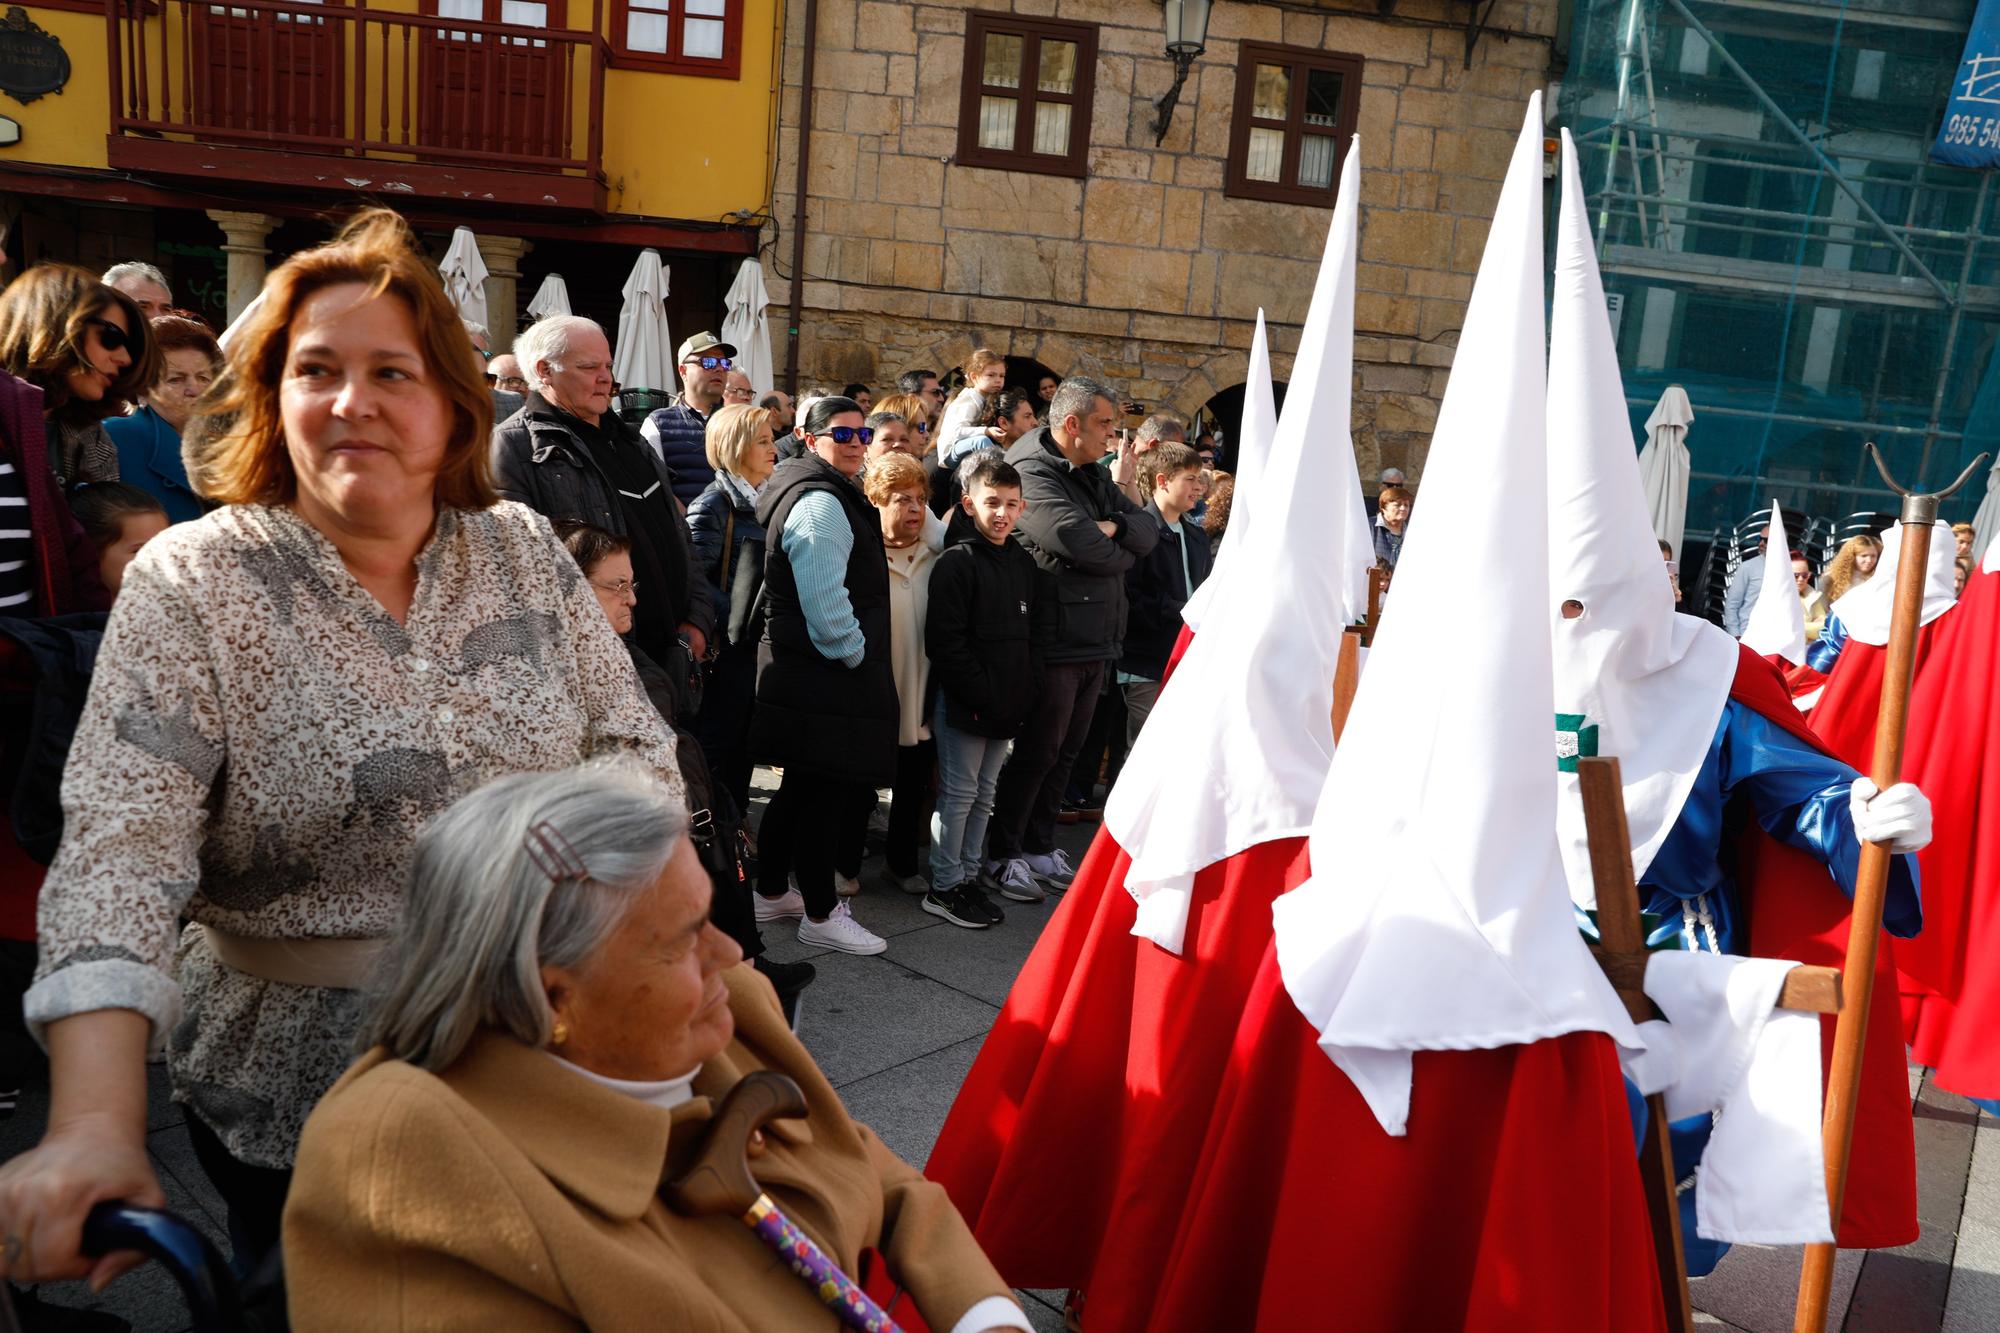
(848, 434)
(111, 335)
(711, 362)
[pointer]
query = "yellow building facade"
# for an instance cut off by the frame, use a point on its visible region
(567, 134)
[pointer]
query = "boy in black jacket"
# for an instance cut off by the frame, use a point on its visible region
(986, 662)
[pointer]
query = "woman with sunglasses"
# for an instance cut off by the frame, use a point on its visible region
(87, 348)
(826, 691)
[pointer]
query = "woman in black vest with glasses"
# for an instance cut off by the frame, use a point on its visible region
(826, 693)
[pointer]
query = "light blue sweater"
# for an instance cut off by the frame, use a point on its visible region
(818, 540)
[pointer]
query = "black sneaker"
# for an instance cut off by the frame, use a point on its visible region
(978, 897)
(788, 979)
(951, 904)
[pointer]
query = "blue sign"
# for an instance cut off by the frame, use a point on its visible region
(1970, 135)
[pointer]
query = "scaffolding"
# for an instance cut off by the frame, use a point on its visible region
(1778, 244)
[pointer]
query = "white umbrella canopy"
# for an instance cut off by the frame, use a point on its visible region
(745, 328)
(1664, 466)
(551, 298)
(463, 273)
(644, 357)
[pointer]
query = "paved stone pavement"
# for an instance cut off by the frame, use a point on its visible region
(896, 1034)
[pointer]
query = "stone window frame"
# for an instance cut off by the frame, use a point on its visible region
(1236, 179)
(728, 66)
(978, 23)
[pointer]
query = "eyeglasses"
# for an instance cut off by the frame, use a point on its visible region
(923, 427)
(113, 337)
(710, 362)
(618, 587)
(848, 434)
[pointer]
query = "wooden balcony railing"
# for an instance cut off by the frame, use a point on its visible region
(351, 81)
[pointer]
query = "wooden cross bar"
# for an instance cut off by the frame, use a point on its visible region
(1368, 627)
(1346, 677)
(1622, 955)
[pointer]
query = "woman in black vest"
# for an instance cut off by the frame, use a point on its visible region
(826, 694)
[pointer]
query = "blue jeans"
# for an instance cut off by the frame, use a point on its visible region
(968, 769)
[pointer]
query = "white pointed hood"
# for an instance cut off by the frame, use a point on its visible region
(1777, 625)
(1437, 917)
(1864, 611)
(1628, 661)
(1235, 751)
(1253, 445)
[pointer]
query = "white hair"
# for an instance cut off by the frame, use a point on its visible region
(482, 917)
(548, 340)
(476, 330)
(133, 268)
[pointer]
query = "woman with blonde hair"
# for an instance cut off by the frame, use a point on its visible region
(289, 688)
(89, 350)
(916, 413)
(1853, 565)
(729, 544)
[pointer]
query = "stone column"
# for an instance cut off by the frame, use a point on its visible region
(503, 255)
(243, 241)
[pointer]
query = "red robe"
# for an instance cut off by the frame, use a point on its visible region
(1796, 912)
(1843, 721)
(1083, 1145)
(1951, 972)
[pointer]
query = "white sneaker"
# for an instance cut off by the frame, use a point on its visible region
(1014, 880)
(791, 905)
(1052, 868)
(847, 886)
(841, 931)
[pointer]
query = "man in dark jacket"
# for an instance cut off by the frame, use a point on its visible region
(678, 432)
(1160, 585)
(1084, 532)
(566, 455)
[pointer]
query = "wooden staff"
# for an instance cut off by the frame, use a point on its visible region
(1374, 607)
(1346, 678)
(1871, 883)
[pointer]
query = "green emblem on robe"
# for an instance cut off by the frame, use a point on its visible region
(1574, 741)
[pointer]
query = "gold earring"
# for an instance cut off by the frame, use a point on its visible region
(560, 1034)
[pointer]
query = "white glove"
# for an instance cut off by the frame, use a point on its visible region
(1900, 816)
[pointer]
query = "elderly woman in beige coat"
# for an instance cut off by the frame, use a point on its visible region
(559, 1020)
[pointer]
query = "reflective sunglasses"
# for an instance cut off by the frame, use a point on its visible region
(113, 337)
(923, 427)
(849, 434)
(710, 362)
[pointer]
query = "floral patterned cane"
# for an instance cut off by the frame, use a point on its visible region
(806, 1259)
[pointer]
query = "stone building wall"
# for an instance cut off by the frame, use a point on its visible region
(1145, 272)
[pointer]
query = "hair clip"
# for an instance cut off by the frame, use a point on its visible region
(552, 854)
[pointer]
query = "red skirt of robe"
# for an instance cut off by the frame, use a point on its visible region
(1951, 972)
(1797, 912)
(1084, 1144)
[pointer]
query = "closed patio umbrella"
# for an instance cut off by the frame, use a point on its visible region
(745, 328)
(1664, 466)
(551, 298)
(643, 358)
(463, 273)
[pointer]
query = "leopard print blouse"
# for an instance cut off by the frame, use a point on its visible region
(261, 745)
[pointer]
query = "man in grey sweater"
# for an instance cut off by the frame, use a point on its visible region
(1085, 534)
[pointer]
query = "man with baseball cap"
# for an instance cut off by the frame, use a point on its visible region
(678, 432)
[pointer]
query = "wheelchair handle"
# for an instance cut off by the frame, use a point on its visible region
(197, 1267)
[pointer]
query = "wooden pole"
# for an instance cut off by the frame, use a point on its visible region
(1865, 930)
(1374, 607)
(1346, 679)
(1621, 928)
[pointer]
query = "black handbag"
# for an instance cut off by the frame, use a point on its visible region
(743, 579)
